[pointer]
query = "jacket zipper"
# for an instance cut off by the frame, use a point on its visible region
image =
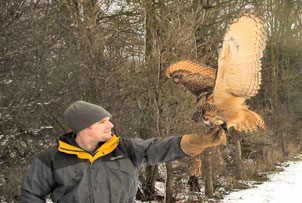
(90, 186)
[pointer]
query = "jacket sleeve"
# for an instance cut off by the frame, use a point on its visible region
(152, 151)
(37, 182)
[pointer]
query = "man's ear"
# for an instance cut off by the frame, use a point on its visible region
(86, 130)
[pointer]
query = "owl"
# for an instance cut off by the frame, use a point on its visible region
(222, 94)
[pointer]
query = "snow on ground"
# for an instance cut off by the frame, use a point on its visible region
(283, 187)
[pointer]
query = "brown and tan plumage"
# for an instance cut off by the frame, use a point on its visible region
(195, 77)
(221, 96)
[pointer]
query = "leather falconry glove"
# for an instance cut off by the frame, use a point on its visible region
(194, 144)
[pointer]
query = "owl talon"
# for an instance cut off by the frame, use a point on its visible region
(218, 122)
(223, 124)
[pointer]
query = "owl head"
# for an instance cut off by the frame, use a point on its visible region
(178, 76)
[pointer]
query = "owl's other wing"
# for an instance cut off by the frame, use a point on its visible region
(195, 77)
(239, 62)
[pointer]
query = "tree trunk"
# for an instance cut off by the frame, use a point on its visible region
(208, 174)
(151, 175)
(149, 25)
(238, 158)
(283, 144)
(300, 139)
(169, 183)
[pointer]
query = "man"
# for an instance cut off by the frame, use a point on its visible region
(92, 165)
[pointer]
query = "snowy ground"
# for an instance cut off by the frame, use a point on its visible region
(283, 187)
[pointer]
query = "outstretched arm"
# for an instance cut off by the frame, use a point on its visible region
(154, 151)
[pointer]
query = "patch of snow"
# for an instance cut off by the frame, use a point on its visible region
(284, 186)
(3, 139)
(6, 82)
(160, 187)
(46, 127)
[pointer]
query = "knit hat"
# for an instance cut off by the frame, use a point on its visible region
(80, 115)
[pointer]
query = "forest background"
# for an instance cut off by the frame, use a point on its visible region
(114, 53)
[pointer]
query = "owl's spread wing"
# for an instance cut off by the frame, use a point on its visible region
(239, 62)
(195, 77)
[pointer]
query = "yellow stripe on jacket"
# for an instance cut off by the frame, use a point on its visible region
(103, 150)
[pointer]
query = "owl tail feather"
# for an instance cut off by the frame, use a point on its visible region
(250, 121)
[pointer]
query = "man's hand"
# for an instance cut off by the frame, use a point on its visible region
(194, 144)
(215, 136)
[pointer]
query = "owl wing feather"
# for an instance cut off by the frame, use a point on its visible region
(198, 83)
(239, 62)
(195, 77)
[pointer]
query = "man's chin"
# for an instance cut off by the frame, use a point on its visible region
(108, 136)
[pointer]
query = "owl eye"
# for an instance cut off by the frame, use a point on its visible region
(178, 76)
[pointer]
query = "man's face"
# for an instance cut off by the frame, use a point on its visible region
(101, 131)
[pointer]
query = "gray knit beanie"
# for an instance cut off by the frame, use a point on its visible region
(80, 115)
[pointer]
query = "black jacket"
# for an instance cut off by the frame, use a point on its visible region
(71, 174)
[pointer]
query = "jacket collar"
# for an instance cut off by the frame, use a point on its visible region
(103, 150)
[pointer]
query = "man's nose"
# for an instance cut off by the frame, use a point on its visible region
(110, 124)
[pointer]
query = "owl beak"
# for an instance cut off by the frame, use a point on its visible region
(208, 123)
(176, 80)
